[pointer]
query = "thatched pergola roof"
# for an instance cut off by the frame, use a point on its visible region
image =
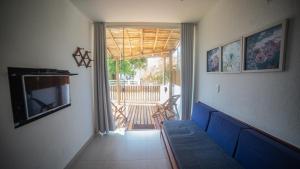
(141, 42)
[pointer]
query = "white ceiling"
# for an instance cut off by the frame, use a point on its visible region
(170, 11)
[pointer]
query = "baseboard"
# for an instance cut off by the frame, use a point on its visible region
(70, 163)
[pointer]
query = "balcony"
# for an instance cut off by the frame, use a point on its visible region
(134, 93)
(153, 52)
(139, 102)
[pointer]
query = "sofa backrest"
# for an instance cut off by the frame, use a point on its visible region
(225, 130)
(258, 151)
(201, 114)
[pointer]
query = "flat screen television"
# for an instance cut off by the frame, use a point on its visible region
(36, 93)
(45, 93)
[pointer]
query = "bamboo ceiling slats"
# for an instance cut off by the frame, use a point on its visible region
(140, 42)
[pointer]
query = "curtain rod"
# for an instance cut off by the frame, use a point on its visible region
(142, 24)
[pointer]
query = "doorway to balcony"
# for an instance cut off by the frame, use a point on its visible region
(144, 73)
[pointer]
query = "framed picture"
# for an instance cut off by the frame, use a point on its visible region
(231, 54)
(264, 50)
(213, 60)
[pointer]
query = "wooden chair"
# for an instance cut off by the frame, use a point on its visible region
(166, 109)
(119, 114)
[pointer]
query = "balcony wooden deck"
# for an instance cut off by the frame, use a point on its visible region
(139, 116)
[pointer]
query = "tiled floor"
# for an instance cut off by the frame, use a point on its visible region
(133, 150)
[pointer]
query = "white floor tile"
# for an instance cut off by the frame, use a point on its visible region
(132, 150)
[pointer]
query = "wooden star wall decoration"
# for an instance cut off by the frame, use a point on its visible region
(82, 59)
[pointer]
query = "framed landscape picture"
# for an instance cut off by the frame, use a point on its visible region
(231, 57)
(213, 60)
(264, 50)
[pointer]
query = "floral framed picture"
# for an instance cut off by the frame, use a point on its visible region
(231, 54)
(264, 50)
(213, 60)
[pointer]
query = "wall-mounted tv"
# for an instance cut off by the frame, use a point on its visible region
(45, 93)
(36, 93)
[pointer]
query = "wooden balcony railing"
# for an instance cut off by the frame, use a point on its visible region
(136, 93)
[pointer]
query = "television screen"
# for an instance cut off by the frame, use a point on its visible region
(45, 93)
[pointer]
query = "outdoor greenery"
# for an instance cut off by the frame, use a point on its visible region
(128, 68)
(156, 77)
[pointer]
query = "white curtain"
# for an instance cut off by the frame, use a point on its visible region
(104, 116)
(187, 55)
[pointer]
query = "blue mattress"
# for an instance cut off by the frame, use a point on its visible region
(194, 149)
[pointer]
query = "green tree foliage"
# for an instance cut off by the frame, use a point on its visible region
(127, 67)
(111, 68)
(138, 64)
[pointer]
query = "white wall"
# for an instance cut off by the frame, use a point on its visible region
(268, 101)
(44, 34)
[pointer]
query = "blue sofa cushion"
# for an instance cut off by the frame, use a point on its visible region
(225, 131)
(180, 127)
(257, 151)
(193, 149)
(201, 114)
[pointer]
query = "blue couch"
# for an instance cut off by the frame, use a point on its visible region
(214, 140)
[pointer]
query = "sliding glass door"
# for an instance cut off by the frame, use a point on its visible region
(144, 72)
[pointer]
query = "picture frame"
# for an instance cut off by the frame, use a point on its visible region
(264, 50)
(213, 60)
(231, 56)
